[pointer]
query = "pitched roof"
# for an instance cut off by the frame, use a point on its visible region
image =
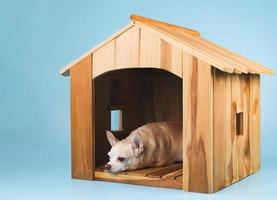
(190, 41)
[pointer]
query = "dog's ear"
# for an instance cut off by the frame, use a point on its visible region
(137, 143)
(112, 140)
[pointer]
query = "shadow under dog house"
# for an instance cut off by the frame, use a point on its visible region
(155, 71)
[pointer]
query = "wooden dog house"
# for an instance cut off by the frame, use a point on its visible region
(155, 71)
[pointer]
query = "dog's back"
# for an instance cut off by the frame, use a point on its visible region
(162, 142)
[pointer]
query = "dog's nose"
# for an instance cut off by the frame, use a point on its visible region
(108, 166)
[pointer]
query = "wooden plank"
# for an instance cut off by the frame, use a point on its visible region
(243, 142)
(187, 121)
(165, 170)
(254, 123)
(164, 25)
(236, 107)
(127, 49)
(198, 125)
(240, 138)
(104, 59)
(179, 178)
(122, 176)
(144, 172)
(65, 69)
(150, 50)
(230, 135)
(171, 58)
(219, 137)
(82, 120)
(174, 174)
(245, 127)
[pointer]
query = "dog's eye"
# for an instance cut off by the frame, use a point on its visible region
(121, 159)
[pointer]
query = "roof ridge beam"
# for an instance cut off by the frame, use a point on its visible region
(137, 18)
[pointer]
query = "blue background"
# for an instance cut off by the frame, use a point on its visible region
(38, 37)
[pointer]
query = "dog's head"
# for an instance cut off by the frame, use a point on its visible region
(124, 154)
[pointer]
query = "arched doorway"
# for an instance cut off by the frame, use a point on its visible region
(128, 98)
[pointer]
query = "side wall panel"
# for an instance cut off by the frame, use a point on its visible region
(82, 133)
(235, 152)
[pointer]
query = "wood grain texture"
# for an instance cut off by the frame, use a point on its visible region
(137, 49)
(254, 123)
(198, 125)
(235, 107)
(235, 96)
(230, 136)
(231, 151)
(104, 59)
(171, 58)
(225, 154)
(150, 50)
(220, 128)
(165, 171)
(82, 120)
(243, 142)
(127, 49)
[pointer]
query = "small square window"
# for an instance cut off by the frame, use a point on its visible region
(116, 120)
(239, 123)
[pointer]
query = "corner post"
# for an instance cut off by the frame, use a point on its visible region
(197, 125)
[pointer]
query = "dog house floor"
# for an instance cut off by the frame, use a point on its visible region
(170, 176)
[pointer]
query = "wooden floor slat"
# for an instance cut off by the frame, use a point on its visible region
(165, 170)
(174, 174)
(167, 176)
(179, 178)
(144, 172)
